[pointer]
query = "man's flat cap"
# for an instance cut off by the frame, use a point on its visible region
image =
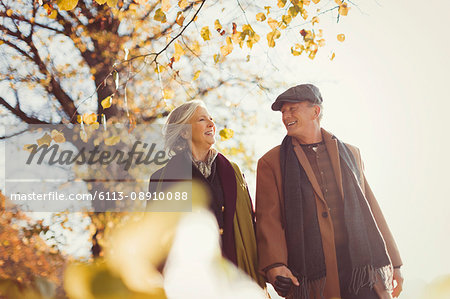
(299, 93)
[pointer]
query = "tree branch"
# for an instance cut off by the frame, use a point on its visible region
(20, 114)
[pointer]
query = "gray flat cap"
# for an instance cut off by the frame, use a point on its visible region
(299, 93)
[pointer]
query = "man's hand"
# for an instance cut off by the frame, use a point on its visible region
(282, 279)
(398, 278)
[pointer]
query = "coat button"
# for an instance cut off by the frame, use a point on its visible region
(221, 231)
(325, 214)
(223, 208)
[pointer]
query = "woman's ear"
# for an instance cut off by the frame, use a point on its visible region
(185, 134)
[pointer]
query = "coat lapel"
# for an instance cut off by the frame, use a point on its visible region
(301, 157)
(332, 148)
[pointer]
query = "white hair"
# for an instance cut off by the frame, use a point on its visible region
(321, 109)
(173, 141)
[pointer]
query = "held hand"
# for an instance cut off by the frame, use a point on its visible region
(282, 279)
(398, 278)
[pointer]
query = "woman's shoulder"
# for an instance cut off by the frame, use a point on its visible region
(233, 164)
(178, 167)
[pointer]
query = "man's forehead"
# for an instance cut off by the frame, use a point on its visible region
(291, 104)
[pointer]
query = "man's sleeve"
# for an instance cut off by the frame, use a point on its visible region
(391, 246)
(270, 235)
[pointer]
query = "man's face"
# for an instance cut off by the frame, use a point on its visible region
(298, 118)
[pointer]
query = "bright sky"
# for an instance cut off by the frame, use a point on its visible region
(386, 92)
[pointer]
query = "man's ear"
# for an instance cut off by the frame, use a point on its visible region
(316, 111)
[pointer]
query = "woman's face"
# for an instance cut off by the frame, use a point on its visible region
(203, 129)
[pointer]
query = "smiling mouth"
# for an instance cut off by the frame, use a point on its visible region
(209, 133)
(291, 123)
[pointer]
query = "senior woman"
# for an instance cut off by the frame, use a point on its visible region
(229, 197)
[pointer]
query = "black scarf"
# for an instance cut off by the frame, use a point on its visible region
(305, 252)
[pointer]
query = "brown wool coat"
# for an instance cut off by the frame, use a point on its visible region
(270, 220)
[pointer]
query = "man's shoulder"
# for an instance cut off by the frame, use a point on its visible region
(354, 150)
(352, 147)
(272, 155)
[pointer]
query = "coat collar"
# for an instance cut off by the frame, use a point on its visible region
(332, 148)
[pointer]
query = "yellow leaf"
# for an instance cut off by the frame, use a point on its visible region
(195, 47)
(314, 20)
(161, 68)
(281, 3)
(297, 49)
(67, 4)
(286, 19)
(111, 3)
(94, 125)
(165, 5)
(343, 9)
(226, 134)
(46, 139)
(58, 137)
(306, 2)
(180, 18)
(304, 14)
(320, 33)
(338, 2)
(272, 23)
(316, 1)
(79, 119)
(106, 103)
(321, 42)
(178, 52)
(217, 25)
(183, 4)
(272, 36)
(160, 16)
(89, 118)
(83, 135)
(332, 56)
(112, 140)
(267, 8)
(101, 2)
(9, 12)
(294, 10)
(205, 33)
(216, 58)
(168, 93)
(53, 14)
(28, 147)
(253, 40)
(196, 75)
(260, 17)
(228, 48)
(341, 37)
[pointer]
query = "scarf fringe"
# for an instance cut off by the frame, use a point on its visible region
(368, 276)
(310, 289)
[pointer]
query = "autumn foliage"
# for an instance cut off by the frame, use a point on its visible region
(26, 261)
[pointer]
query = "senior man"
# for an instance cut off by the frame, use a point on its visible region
(320, 230)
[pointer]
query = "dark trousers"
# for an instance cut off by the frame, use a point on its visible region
(345, 274)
